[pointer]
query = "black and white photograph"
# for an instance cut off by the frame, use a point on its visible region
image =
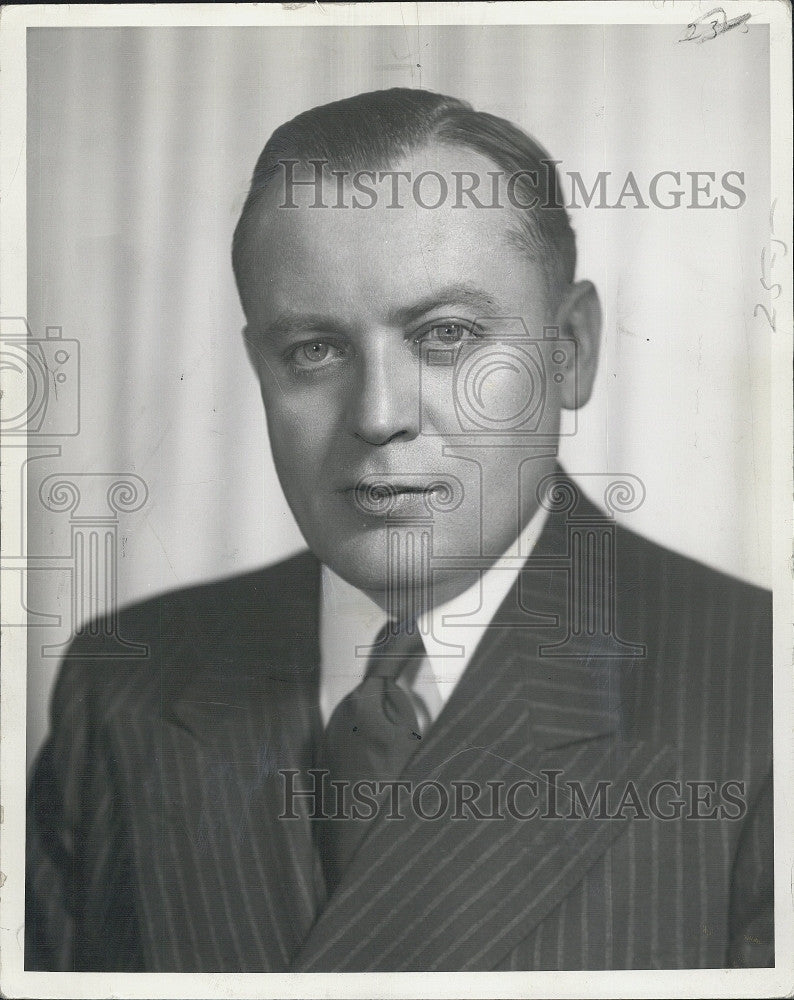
(396, 447)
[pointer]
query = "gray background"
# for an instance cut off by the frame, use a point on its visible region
(141, 142)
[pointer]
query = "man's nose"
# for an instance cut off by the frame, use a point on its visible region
(384, 403)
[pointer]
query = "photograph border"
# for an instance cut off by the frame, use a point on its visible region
(14, 980)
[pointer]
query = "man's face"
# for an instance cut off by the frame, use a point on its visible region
(390, 350)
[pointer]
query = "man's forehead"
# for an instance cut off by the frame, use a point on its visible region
(314, 240)
(417, 205)
(387, 257)
(429, 196)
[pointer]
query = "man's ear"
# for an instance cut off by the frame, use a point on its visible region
(578, 318)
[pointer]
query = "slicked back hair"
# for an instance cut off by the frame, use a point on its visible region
(374, 131)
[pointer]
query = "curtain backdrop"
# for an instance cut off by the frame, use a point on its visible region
(141, 143)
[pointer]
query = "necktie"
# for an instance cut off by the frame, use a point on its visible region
(370, 737)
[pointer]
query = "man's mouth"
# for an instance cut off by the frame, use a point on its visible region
(397, 487)
(380, 497)
(390, 488)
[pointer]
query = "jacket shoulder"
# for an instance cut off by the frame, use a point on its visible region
(281, 583)
(216, 621)
(705, 669)
(675, 578)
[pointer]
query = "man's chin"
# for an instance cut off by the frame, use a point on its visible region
(362, 560)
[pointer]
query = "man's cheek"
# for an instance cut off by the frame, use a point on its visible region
(288, 424)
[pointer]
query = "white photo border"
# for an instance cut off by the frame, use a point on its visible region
(15, 981)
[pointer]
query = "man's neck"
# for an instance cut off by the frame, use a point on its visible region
(412, 598)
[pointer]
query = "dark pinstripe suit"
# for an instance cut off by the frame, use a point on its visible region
(153, 837)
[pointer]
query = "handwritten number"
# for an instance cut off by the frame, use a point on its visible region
(772, 320)
(719, 25)
(769, 288)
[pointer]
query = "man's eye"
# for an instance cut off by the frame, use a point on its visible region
(448, 332)
(312, 354)
(318, 351)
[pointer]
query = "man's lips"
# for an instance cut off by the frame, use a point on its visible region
(378, 493)
(378, 496)
(390, 488)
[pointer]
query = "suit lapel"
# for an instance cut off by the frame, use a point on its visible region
(238, 708)
(459, 894)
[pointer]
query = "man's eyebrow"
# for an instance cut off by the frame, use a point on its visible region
(475, 299)
(289, 322)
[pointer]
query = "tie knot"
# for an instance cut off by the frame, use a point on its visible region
(397, 646)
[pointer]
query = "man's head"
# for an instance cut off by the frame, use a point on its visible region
(398, 330)
(376, 130)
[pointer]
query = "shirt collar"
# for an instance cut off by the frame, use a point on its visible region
(452, 630)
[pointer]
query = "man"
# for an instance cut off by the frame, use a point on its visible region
(478, 726)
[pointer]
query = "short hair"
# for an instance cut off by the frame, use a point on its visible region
(373, 130)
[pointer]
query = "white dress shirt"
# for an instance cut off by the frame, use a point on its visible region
(350, 622)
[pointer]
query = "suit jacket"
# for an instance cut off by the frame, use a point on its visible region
(154, 841)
